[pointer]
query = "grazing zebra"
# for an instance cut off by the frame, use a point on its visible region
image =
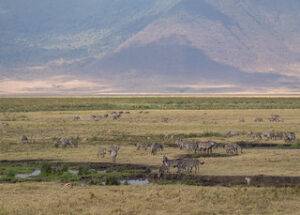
(73, 143)
(279, 135)
(257, 136)
(257, 119)
(101, 152)
(189, 164)
(178, 142)
(172, 163)
(24, 139)
(56, 144)
(268, 134)
(76, 118)
(206, 146)
(161, 171)
(142, 145)
(114, 148)
(232, 148)
(289, 137)
(65, 143)
(155, 147)
(114, 155)
(249, 133)
(191, 146)
(232, 133)
(67, 186)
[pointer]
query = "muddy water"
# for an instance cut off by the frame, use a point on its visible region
(74, 172)
(135, 182)
(24, 176)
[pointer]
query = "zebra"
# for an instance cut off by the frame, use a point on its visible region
(206, 146)
(289, 137)
(189, 164)
(74, 143)
(257, 136)
(4, 124)
(172, 163)
(232, 148)
(76, 118)
(232, 133)
(114, 148)
(24, 139)
(178, 142)
(56, 144)
(279, 135)
(191, 146)
(161, 171)
(257, 119)
(268, 134)
(114, 155)
(101, 152)
(249, 133)
(155, 147)
(142, 145)
(65, 143)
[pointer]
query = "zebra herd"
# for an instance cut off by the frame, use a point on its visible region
(113, 151)
(269, 135)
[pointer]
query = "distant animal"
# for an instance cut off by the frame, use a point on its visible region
(161, 171)
(114, 155)
(68, 186)
(233, 148)
(279, 135)
(56, 144)
(73, 143)
(191, 146)
(177, 163)
(189, 164)
(289, 137)
(242, 120)
(115, 117)
(155, 147)
(142, 145)
(114, 148)
(268, 134)
(101, 152)
(257, 136)
(249, 133)
(24, 139)
(141, 111)
(4, 124)
(232, 133)
(206, 147)
(165, 120)
(257, 119)
(105, 115)
(76, 118)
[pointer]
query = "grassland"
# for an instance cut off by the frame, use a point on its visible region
(44, 119)
(49, 198)
(153, 103)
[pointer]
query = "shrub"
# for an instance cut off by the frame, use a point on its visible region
(46, 168)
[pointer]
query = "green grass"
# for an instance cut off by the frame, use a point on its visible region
(146, 103)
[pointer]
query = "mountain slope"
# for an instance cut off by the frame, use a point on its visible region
(154, 46)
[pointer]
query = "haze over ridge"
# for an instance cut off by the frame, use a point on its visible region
(172, 46)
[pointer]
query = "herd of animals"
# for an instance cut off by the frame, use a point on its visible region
(196, 147)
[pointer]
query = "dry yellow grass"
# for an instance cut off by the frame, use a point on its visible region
(48, 198)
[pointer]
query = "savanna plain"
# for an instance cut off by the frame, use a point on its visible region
(100, 186)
